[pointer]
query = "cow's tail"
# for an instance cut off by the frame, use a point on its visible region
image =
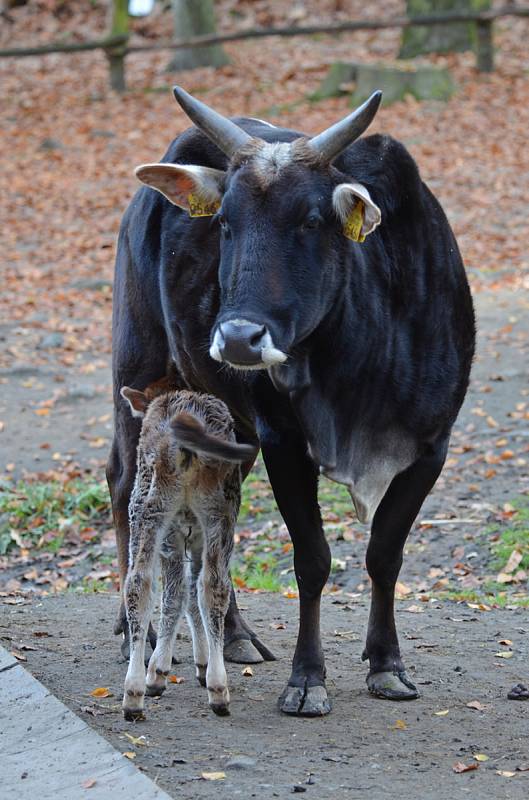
(191, 434)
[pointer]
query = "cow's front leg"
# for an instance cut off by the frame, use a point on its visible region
(392, 522)
(294, 480)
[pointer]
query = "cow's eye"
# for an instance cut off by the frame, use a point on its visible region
(311, 223)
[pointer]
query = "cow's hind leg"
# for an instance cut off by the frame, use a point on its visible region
(294, 479)
(392, 522)
(173, 601)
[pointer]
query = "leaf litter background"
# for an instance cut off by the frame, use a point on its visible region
(70, 146)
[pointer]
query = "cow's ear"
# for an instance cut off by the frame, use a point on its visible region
(137, 401)
(198, 190)
(354, 207)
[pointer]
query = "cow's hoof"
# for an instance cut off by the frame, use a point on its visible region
(310, 701)
(242, 651)
(391, 686)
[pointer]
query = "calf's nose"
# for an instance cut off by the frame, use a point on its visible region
(241, 342)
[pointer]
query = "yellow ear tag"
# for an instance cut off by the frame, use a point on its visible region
(201, 208)
(353, 224)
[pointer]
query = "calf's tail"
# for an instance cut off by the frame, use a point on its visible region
(191, 434)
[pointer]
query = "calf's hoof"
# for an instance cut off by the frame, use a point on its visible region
(200, 671)
(133, 714)
(219, 701)
(133, 705)
(391, 686)
(220, 709)
(305, 701)
(156, 683)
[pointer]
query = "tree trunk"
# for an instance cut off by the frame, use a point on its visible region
(193, 18)
(119, 26)
(453, 37)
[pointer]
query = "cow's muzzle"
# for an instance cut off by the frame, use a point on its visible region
(245, 345)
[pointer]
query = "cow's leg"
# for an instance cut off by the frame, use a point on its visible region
(173, 601)
(392, 522)
(139, 601)
(213, 598)
(294, 480)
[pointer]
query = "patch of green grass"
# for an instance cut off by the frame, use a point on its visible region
(93, 586)
(31, 511)
(500, 599)
(256, 571)
(514, 537)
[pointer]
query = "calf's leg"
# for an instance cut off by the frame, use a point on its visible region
(294, 480)
(194, 618)
(139, 601)
(213, 598)
(392, 522)
(173, 601)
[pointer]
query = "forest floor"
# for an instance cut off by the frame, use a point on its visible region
(72, 147)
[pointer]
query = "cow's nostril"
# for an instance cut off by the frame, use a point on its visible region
(241, 342)
(257, 337)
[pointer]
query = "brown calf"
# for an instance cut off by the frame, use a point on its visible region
(182, 513)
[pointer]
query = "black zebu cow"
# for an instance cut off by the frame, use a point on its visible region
(345, 357)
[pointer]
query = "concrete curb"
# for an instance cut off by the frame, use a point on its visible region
(47, 752)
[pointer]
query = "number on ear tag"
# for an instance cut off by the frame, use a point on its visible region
(353, 224)
(201, 208)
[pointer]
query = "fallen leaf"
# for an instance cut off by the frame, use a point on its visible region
(213, 776)
(18, 656)
(247, 672)
(175, 679)
(414, 610)
(129, 754)
(42, 412)
(505, 773)
(290, 594)
(513, 561)
(460, 767)
(137, 741)
(504, 654)
(89, 783)
(101, 691)
(442, 713)
(522, 768)
(481, 757)
(506, 642)
(476, 705)
(400, 725)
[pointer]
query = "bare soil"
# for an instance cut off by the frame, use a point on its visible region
(365, 745)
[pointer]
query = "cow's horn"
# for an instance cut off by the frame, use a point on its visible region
(222, 132)
(335, 139)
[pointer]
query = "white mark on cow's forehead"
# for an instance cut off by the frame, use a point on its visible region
(270, 159)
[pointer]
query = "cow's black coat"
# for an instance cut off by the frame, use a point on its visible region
(380, 337)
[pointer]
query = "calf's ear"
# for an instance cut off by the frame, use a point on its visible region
(356, 210)
(198, 190)
(137, 401)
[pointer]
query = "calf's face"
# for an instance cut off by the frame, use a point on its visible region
(281, 209)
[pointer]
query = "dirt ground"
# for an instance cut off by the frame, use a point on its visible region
(364, 745)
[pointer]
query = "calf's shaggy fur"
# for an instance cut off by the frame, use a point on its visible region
(182, 514)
